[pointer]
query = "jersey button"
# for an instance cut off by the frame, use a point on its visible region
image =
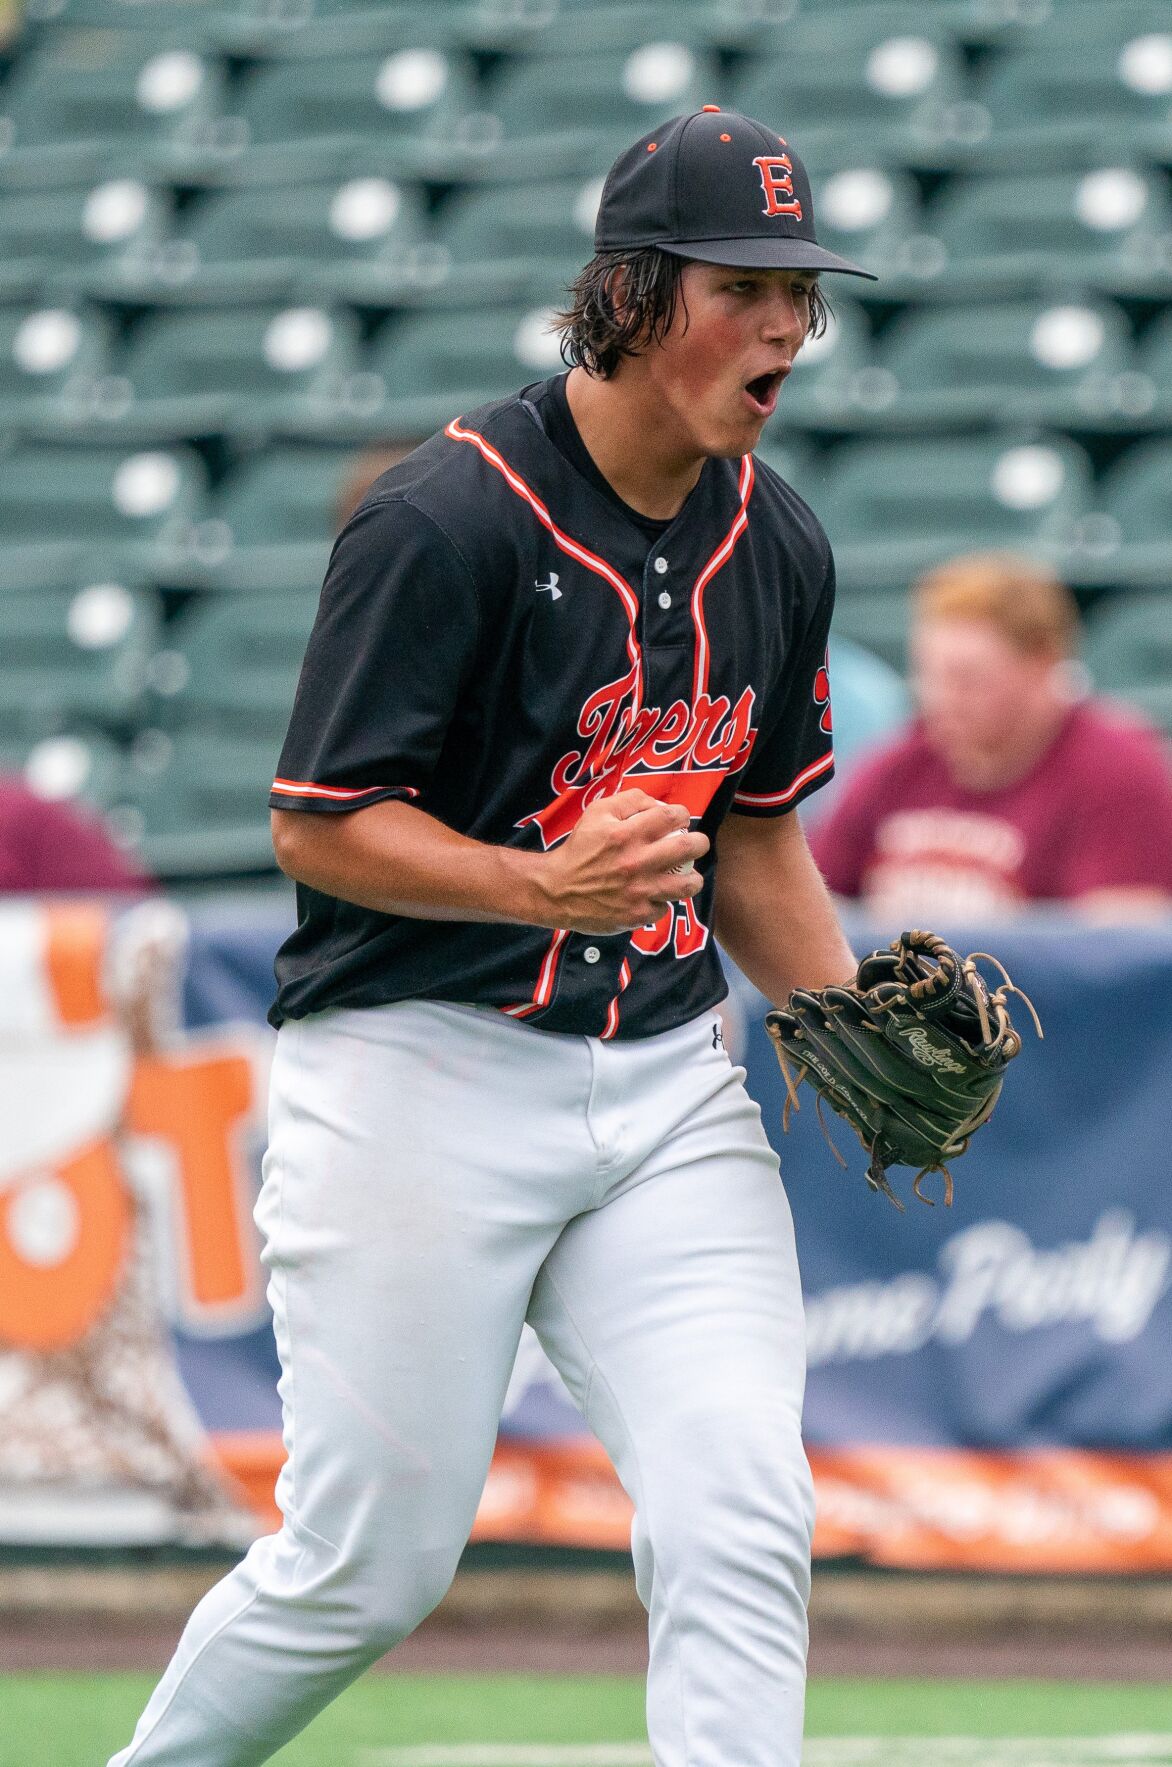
(660, 566)
(591, 954)
(664, 599)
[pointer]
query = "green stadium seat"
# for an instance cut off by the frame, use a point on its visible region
(892, 508)
(52, 360)
(231, 665)
(1108, 229)
(112, 105)
(834, 383)
(153, 18)
(569, 115)
(904, 95)
(604, 26)
(1129, 543)
(1010, 24)
(433, 366)
(1055, 102)
(1128, 648)
(67, 510)
(275, 29)
(518, 242)
(241, 371)
(362, 238)
(70, 766)
(1154, 365)
(876, 621)
(790, 459)
(1068, 365)
(308, 119)
(53, 238)
(271, 525)
(195, 805)
(873, 215)
(77, 654)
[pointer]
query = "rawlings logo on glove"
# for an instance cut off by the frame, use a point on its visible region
(912, 1054)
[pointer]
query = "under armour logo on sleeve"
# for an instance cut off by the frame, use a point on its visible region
(552, 586)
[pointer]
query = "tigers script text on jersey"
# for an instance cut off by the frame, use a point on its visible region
(496, 644)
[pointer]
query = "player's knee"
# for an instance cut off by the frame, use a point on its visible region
(742, 1496)
(400, 1593)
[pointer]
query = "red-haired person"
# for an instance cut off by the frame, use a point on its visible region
(1012, 785)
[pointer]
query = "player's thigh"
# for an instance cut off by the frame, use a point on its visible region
(401, 1256)
(674, 1312)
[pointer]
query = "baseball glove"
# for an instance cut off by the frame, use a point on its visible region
(912, 1053)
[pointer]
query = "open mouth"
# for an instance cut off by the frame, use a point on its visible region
(763, 389)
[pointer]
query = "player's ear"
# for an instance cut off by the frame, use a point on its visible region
(616, 290)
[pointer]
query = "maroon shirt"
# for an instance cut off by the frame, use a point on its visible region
(53, 846)
(1094, 813)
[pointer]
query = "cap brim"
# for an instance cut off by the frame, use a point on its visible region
(765, 254)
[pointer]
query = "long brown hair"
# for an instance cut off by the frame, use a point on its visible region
(596, 335)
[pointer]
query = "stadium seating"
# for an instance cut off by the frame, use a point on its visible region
(64, 510)
(52, 360)
(242, 239)
(230, 667)
(892, 508)
(1067, 365)
(119, 104)
(71, 765)
(306, 119)
(271, 525)
(905, 95)
(194, 805)
(1128, 650)
(357, 239)
(439, 364)
(1056, 102)
(1132, 539)
(59, 238)
(518, 242)
(1108, 228)
(244, 371)
(74, 654)
(570, 114)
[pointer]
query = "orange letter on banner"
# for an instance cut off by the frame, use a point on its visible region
(48, 1301)
(197, 1103)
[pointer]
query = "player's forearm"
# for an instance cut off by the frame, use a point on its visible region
(774, 915)
(397, 859)
(616, 871)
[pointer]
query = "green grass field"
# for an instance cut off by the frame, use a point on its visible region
(529, 1721)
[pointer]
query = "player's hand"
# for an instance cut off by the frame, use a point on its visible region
(628, 857)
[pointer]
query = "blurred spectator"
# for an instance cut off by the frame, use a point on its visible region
(1011, 785)
(55, 846)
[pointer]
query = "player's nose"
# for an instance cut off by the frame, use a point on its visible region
(784, 318)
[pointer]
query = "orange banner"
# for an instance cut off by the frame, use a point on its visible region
(917, 1508)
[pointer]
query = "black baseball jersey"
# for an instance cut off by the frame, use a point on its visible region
(501, 642)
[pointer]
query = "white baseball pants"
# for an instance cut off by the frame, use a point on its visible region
(436, 1175)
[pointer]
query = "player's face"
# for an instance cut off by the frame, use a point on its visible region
(731, 344)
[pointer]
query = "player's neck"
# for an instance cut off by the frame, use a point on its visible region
(623, 431)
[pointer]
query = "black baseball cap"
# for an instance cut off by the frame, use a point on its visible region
(719, 187)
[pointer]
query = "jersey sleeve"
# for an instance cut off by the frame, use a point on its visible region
(794, 753)
(393, 643)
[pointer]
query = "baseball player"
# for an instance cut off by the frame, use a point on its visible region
(565, 691)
